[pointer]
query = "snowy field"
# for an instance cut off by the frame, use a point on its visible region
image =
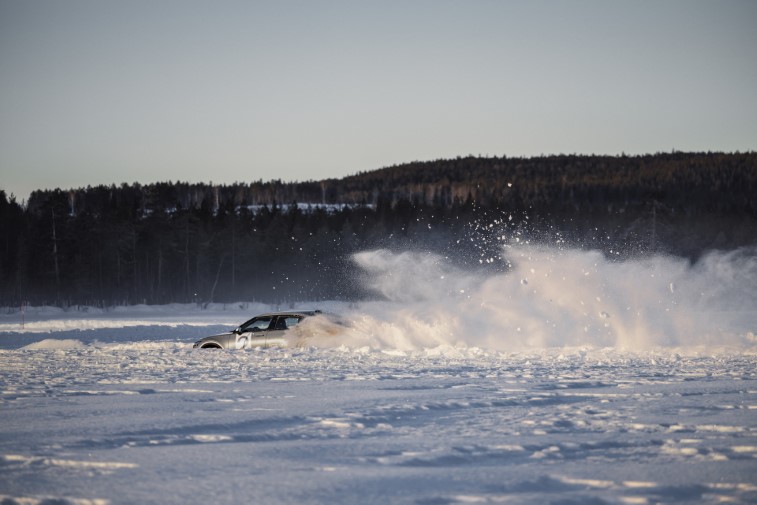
(570, 379)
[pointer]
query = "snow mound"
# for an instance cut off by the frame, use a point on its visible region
(54, 344)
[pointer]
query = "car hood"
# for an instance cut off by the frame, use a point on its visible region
(220, 337)
(224, 334)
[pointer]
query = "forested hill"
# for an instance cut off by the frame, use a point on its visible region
(703, 182)
(698, 182)
(283, 242)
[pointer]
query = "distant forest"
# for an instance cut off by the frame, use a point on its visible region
(283, 242)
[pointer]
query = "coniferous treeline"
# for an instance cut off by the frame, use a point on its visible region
(282, 242)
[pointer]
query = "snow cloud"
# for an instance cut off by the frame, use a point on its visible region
(553, 297)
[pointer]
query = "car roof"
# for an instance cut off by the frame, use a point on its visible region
(291, 313)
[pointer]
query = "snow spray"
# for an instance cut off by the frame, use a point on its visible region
(549, 297)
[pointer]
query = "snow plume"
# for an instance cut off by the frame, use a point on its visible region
(549, 297)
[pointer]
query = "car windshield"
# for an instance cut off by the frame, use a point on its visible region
(257, 324)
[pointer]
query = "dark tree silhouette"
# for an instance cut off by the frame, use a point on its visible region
(283, 242)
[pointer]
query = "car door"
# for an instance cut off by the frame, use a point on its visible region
(254, 333)
(278, 332)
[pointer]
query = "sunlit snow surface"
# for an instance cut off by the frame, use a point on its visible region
(568, 379)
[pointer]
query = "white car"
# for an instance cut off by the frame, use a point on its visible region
(265, 330)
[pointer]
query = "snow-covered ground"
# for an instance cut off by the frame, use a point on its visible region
(570, 379)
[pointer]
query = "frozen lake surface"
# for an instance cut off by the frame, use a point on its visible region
(157, 422)
(580, 381)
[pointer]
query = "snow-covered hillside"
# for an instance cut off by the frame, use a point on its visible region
(569, 379)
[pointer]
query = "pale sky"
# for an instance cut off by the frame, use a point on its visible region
(100, 91)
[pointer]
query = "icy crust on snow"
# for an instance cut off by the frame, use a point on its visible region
(166, 362)
(310, 425)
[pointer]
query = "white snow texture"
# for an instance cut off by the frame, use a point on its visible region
(570, 378)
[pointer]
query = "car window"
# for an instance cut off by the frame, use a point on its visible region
(257, 324)
(292, 321)
(285, 322)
